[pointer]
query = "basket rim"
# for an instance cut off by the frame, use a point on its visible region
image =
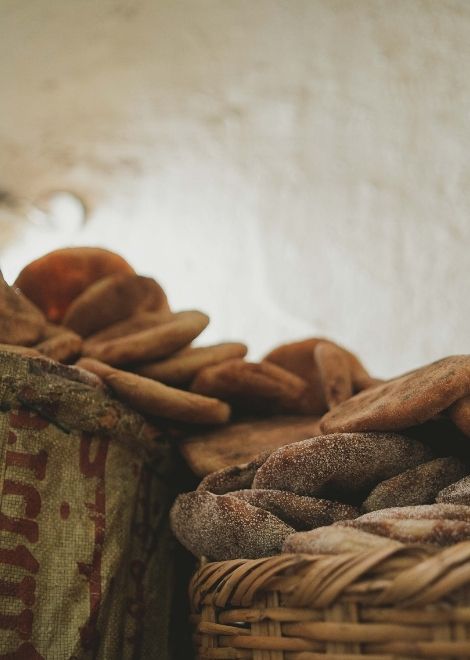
(408, 576)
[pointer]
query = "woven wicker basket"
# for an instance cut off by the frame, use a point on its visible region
(411, 602)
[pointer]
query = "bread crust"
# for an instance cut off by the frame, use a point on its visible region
(222, 527)
(405, 401)
(341, 466)
(155, 342)
(419, 485)
(112, 299)
(250, 386)
(182, 367)
(334, 540)
(298, 511)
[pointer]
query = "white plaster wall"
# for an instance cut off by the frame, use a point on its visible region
(294, 168)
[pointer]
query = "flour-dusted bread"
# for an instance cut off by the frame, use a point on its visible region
(341, 466)
(298, 511)
(223, 527)
(439, 511)
(234, 477)
(434, 531)
(419, 485)
(334, 540)
(456, 493)
(437, 524)
(459, 413)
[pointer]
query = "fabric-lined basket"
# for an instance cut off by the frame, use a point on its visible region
(407, 603)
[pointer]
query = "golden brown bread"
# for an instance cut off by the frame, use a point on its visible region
(63, 346)
(135, 323)
(152, 398)
(252, 387)
(181, 367)
(21, 322)
(113, 299)
(322, 369)
(54, 280)
(405, 401)
(156, 342)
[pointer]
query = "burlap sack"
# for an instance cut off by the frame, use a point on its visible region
(85, 550)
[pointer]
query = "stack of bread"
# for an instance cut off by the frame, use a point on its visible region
(87, 306)
(392, 463)
(350, 461)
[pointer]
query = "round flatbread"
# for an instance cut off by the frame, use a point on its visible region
(181, 367)
(439, 511)
(113, 299)
(135, 323)
(242, 441)
(64, 346)
(152, 398)
(21, 322)
(405, 401)
(156, 342)
(341, 466)
(419, 485)
(95, 367)
(332, 372)
(456, 493)
(251, 386)
(54, 280)
(413, 530)
(298, 511)
(334, 540)
(234, 477)
(459, 413)
(223, 527)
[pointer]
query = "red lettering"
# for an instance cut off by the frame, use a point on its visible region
(24, 652)
(34, 462)
(23, 590)
(27, 419)
(30, 495)
(21, 623)
(93, 467)
(19, 556)
(27, 528)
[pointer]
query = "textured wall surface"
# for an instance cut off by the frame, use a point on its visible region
(294, 168)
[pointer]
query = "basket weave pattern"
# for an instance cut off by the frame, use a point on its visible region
(406, 603)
